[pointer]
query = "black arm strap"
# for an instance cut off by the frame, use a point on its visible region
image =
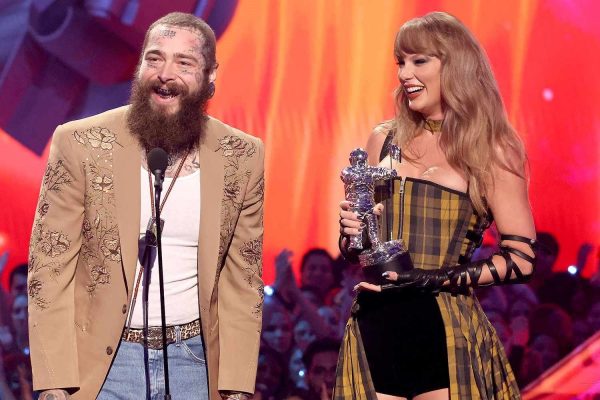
(468, 274)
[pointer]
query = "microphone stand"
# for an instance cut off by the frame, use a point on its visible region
(157, 193)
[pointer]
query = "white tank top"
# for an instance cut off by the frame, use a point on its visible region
(181, 214)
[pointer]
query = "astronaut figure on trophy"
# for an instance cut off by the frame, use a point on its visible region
(374, 255)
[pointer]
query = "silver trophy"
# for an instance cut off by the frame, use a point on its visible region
(375, 255)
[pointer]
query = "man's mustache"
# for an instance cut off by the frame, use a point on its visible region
(156, 86)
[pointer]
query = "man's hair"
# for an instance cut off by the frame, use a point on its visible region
(316, 251)
(548, 243)
(190, 21)
(319, 346)
(20, 269)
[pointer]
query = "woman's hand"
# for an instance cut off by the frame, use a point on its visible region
(350, 223)
(369, 287)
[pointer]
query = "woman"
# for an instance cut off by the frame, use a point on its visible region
(424, 335)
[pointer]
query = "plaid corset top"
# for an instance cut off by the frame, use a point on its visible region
(439, 225)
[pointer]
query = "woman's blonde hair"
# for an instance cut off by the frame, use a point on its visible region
(476, 134)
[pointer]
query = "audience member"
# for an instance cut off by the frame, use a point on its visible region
(5, 391)
(316, 271)
(553, 321)
(494, 302)
(344, 298)
(335, 326)
(593, 318)
(320, 359)
(521, 301)
(299, 303)
(271, 375)
(303, 335)
(546, 255)
(18, 280)
(16, 361)
(297, 369)
(277, 328)
(312, 295)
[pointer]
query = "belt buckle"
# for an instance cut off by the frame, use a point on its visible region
(155, 338)
(155, 343)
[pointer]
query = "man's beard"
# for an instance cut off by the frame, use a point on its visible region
(175, 133)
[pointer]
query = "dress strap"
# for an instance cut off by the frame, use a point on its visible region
(387, 143)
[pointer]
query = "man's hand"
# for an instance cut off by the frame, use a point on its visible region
(324, 392)
(54, 394)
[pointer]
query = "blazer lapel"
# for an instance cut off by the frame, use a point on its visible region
(211, 193)
(126, 172)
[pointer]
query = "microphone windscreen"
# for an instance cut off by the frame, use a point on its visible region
(157, 159)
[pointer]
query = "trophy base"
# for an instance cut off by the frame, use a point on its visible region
(390, 256)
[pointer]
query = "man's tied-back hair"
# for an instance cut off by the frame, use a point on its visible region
(190, 21)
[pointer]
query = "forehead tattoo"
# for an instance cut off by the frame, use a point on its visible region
(166, 33)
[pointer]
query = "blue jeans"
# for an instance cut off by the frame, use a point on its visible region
(126, 379)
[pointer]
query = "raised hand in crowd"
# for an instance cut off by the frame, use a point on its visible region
(287, 292)
(324, 392)
(285, 283)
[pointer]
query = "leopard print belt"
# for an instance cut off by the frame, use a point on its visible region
(187, 331)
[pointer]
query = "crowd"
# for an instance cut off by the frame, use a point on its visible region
(15, 366)
(304, 318)
(541, 322)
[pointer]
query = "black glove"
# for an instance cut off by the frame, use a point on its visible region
(458, 279)
(428, 279)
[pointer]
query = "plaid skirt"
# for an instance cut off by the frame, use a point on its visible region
(477, 364)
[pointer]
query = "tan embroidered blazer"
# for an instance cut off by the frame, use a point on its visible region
(84, 248)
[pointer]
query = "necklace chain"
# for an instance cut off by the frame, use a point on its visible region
(164, 200)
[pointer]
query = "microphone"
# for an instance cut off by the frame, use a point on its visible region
(157, 164)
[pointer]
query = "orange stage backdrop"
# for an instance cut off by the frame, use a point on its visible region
(313, 77)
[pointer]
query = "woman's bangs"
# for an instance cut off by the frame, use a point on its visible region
(414, 38)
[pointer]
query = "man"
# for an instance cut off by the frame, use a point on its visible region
(18, 280)
(320, 359)
(95, 201)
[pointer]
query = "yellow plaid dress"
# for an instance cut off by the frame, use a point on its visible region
(439, 227)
